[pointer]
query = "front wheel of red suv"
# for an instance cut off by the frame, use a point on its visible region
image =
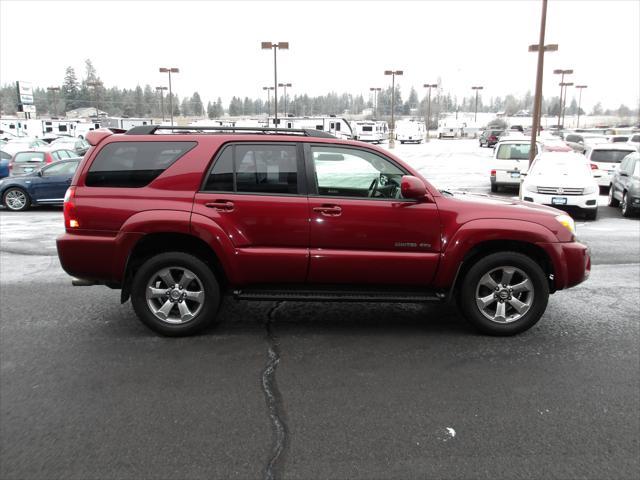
(504, 294)
(175, 294)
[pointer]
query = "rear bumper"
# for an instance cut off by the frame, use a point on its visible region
(571, 263)
(98, 257)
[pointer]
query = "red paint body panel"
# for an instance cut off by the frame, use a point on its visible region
(282, 239)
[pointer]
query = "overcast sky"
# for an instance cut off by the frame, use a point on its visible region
(334, 46)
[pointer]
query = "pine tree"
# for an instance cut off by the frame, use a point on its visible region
(70, 88)
(185, 107)
(211, 110)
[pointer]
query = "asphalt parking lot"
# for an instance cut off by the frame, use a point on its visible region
(302, 390)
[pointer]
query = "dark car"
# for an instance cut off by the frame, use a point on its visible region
(489, 138)
(177, 217)
(79, 145)
(46, 186)
(5, 159)
(624, 191)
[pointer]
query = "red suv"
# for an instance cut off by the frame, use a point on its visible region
(177, 217)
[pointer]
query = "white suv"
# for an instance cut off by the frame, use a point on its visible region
(562, 180)
(510, 160)
(604, 158)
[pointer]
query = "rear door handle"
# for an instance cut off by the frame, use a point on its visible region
(220, 205)
(328, 210)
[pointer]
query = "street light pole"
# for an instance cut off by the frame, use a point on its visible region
(475, 116)
(537, 104)
(580, 88)
(170, 70)
(95, 85)
(393, 73)
(564, 104)
(375, 91)
(559, 71)
(285, 85)
(161, 90)
(275, 47)
(427, 118)
(268, 89)
(53, 91)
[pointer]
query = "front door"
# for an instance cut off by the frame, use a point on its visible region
(362, 230)
(54, 181)
(257, 194)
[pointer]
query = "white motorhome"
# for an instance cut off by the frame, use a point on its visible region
(124, 123)
(448, 130)
(410, 131)
(370, 131)
(337, 126)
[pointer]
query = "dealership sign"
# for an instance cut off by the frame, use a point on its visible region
(25, 93)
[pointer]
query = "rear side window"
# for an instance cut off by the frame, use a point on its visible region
(249, 168)
(134, 164)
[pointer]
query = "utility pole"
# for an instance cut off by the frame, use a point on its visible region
(427, 118)
(161, 90)
(275, 47)
(285, 85)
(375, 91)
(537, 104)
(393, 73)
(53, 91)
(580, 88)
(170, 70)
(475, 116)
(559, 71)
(564, 104)
(268, 89)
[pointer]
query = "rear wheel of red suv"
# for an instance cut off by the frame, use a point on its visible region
(175, 294)
(504, 293)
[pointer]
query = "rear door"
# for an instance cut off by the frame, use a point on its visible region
(362, 230)
(256, 192)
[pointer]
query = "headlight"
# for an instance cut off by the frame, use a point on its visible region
(567, 222)
(590, 190)
(531, 188)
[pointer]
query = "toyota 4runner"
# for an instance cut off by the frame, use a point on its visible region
(176, 217)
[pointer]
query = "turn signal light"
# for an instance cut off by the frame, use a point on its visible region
(493, 173)
(70, 220)
(594, 166)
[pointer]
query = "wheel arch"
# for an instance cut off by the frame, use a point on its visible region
(161, 242)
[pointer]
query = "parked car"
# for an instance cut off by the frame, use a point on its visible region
(5, 159)
(604, 158)
(624, 191)
(30, 161)
(510, 160)
(21, 144)
(617, 138)
(634, 141)
(177, 220)
(45, 186)
(562, 180)
(79, 145)
(489, 138)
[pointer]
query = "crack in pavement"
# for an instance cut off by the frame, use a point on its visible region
(273, 399)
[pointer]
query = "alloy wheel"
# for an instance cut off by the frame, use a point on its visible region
(15, 199)
(504, 294)
(175, 295)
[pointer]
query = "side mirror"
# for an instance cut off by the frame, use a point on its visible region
(39, 173)
(623, 173)
(412, 187)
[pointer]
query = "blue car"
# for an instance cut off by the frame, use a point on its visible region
(46, 186)
(5, 158)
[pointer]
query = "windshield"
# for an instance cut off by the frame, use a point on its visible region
(514, 151)
(609, 156)
(555, 167)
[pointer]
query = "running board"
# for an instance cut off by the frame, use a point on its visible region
(336, 295)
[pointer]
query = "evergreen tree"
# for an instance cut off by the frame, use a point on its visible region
(185, 107)
(70, 88)
(211, 110)
(218, 109)
(196, 104)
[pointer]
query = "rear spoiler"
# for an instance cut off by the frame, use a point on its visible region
(94, 137)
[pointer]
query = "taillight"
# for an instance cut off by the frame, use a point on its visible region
(70, 219)
(493, 173)
(594, 166)
(48, 158)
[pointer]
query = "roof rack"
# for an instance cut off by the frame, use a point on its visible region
(152, 129)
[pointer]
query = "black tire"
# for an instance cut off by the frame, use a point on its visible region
(467, 294)
(207, 312)
(494, 188)
(612, 202)
(626, 210)
(591, 214)
(10, 205)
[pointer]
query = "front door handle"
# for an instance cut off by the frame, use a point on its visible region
(328, 210)
(220, 205)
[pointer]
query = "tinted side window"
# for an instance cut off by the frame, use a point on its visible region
(266, 168)
(134, 164)
(252, 168)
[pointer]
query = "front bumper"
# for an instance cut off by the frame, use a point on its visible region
(582, 202)
(571, 263)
